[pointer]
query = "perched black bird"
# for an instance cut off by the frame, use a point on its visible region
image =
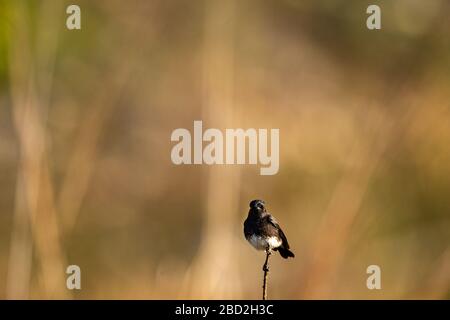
(263, 232)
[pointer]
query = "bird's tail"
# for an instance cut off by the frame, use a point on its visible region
(285, 253)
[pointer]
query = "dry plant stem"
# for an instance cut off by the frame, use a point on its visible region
(266, 273)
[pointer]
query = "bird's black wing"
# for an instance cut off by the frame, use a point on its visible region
(249, 226)
(274, 222)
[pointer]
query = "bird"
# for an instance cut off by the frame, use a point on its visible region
(263, 231)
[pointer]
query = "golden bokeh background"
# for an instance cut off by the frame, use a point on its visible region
(85, 171)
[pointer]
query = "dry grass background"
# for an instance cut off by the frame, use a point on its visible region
(85, 170)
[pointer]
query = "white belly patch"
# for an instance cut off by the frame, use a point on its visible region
(261, 243)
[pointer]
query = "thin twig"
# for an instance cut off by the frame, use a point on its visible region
(266, 273)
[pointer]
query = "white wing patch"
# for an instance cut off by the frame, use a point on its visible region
(274, 242)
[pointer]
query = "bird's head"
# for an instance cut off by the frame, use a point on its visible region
(258, 206)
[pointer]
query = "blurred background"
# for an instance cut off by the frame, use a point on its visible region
(86, 176)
